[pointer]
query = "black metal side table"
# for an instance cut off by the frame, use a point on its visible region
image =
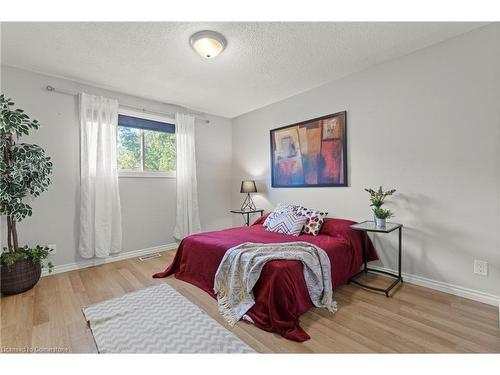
(247, 213)
(369, 226)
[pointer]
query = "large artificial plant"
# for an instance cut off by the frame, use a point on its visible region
(25, 171)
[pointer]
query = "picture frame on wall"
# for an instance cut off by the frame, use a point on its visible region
(311, 153)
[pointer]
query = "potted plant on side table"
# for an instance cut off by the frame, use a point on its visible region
(377, 198)
(25, 171)
(380, 216)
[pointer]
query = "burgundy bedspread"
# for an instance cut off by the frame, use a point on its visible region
(281, 295)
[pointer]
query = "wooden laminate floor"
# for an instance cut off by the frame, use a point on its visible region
(415, 319)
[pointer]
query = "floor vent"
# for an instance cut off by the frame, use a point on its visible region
(150, 256)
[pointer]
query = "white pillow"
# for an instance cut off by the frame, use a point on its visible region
(278, 210)
(287, 223)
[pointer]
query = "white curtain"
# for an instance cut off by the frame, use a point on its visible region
(100, 212)
(188, 218)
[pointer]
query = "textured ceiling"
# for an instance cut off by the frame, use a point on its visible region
(263, 63)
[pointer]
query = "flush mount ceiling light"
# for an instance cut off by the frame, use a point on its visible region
(208, 43)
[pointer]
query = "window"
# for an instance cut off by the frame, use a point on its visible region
(146, 146)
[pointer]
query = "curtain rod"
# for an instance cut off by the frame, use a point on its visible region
(169, 114)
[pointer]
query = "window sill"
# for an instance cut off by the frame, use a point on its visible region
(146, 174)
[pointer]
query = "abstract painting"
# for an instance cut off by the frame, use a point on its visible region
(312, 153)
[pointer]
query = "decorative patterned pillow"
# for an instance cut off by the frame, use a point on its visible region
(287, 223)
(314, 220)
(278, 210)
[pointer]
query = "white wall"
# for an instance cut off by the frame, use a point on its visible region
(426, 124)
(148, 204)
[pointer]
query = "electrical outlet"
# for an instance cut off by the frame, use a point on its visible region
(480, 267)
(53, 247)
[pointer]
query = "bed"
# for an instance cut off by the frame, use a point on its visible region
(281, 295)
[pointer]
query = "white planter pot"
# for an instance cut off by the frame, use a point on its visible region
(379, 223)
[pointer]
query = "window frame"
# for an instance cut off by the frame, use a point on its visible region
(123, 173)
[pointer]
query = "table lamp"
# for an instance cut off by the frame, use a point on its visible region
(248, 187)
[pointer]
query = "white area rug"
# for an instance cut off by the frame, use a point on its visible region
(158, 319)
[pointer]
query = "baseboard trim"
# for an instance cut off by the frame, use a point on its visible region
(441, 286)
(114, 258)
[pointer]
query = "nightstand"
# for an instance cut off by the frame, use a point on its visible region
(247, 213)
(369, 226)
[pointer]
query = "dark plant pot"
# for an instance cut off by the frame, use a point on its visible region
(20, 277)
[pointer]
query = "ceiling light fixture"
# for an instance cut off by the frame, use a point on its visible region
(208, 43)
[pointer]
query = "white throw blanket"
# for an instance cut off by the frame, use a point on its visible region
(241, 266)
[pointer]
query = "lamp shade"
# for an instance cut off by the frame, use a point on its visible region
(248, 186)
